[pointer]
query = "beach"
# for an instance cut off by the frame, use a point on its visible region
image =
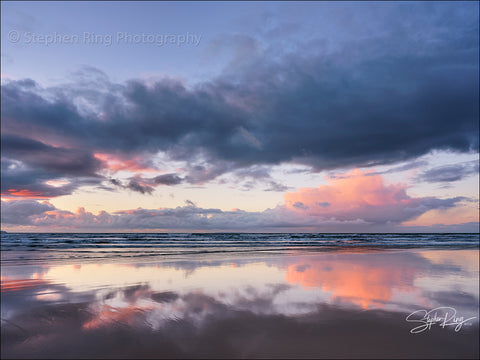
(244, 179)
(295, 302)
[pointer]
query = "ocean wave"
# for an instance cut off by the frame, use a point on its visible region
(128, 245)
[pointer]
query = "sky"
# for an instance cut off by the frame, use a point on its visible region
(239, 116)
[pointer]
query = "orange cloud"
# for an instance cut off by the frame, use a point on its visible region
(23, 193)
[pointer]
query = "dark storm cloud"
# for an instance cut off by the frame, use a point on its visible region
(146, 185)
(380, 99)
(58, 160)
(168, 179)
(135, 183)
(449, 173)
(28, 164)
(42, 114)
(116, 182)
(34, 182)
(321, 115)
(143, 189)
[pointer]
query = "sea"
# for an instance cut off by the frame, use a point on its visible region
(32, 247)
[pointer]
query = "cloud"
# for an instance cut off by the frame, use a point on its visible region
(387, 97)
(235, 50)
(147, 185)
(56, 159)
(31, 168)
(21, 211)
(37, 184)
(190, 203)
(411, 165)
(115, 163)
(255, 175)
(136, 186)
(449, 173)
(358, 202)
(168, 179)
(300, 205)
(461, 227)
(362, 195)
(275, 186)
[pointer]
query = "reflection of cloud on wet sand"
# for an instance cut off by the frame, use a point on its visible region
(21, 284)
(135, 311)
(60, 331)
(109, 315)
(467, 260)
(362, 279)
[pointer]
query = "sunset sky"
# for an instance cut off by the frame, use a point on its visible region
(240, 116)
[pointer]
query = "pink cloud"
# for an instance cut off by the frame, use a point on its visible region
(116, 163)
(358, 201)
(357, 195)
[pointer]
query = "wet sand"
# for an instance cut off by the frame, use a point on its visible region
(337, 304)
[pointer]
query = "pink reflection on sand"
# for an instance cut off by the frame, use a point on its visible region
(21, 284)
(368, 283)
(109, 315)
